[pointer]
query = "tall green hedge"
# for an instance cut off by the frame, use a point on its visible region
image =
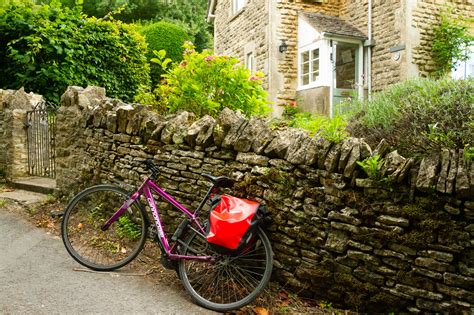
(46, 48)
(164, 36)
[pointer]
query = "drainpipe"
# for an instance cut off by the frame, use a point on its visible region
(369, 52)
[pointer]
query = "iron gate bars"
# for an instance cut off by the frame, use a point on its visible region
(41, 124)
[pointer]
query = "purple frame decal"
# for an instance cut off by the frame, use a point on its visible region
(146, 189)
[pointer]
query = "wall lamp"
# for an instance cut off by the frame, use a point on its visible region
(283, 46)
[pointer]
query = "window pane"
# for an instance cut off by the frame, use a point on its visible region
(305, 56)
(305, 68)
(345, 66)
(305, 79)
(238, 4)
(314, 76)
(315, 54)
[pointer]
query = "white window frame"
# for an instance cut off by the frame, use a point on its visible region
(318, 81)
(238, 5)
(465, 69)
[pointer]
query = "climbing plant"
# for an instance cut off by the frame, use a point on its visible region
(451, 39)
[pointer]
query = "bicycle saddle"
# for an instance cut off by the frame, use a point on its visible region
(220, 181)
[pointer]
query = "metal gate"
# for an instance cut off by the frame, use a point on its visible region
(41, 124)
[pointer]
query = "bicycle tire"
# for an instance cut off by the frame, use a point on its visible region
(103, 250)
(202, 279)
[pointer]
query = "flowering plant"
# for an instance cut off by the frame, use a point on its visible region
(204, 83)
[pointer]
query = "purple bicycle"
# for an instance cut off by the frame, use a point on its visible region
(105, 228)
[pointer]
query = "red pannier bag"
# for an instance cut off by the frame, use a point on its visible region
(232, 223)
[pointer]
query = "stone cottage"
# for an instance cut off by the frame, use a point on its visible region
(319, 52)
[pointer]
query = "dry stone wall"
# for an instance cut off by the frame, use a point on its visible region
(402, 245)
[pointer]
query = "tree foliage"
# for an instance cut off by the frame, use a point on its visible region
(164, 36)
(46, 48)
(187, 14)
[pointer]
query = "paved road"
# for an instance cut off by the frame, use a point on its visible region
(37, 277)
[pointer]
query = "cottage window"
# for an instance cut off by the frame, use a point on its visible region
(237, 5)
(309, 66)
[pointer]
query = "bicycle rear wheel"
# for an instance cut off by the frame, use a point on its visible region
(232, 281)
(103, 250)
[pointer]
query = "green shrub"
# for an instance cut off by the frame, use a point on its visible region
(418, 116)
(46, 48)
(204, 83)
(164, 36)
(332, 129)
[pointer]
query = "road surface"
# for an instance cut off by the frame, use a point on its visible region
(37, 277)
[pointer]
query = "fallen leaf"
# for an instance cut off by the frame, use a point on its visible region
(260, 311)
(80, 226)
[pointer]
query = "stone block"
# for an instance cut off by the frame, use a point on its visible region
(365, 257)
(368, 276)
(252, 159)
(456, 292)
(458, 280)
(200, 132)
(337, 241)
(388, 253)
(351, 164)
(453, 167)
(332, 158)
(345, 227)
(345, 215)
(433, 306)
(462, 185)
(278, 147)
(431, 264)
(297, 151)
(427, 174)
(389, 220)
(443, 174)
(441, 256)
(418, 292)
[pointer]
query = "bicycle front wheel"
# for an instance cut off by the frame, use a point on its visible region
(231, 282)
(88, 244)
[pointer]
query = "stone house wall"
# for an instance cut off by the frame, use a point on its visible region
(13, 134)
(388, 27)
(406, 245)
(244, 32)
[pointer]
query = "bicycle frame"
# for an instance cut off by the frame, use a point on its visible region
(146, 189)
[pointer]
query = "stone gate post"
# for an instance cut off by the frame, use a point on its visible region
(13, 132)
